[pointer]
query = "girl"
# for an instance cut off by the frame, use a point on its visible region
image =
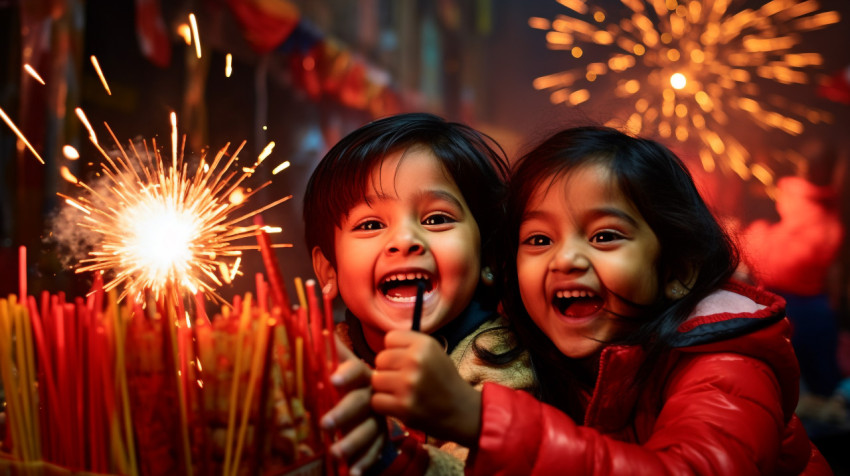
(650, 361)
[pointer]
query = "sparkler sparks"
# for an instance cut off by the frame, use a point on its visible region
(164, 226)
(686, 67)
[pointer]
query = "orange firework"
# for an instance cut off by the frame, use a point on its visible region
(686, 66)
(160, 226)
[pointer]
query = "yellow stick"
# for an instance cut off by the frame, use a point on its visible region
(31, 385)
(299, 288)
(234, 386)
(181, 394)
(256, 370)
(119, 326)
(23, 383)
(9, 385)
(299, 367)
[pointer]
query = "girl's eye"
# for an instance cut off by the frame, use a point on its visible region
(537, 240)
(605, 237)
(438, 219)
(369, 225)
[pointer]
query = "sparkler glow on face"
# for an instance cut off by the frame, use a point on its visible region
(688, 65)
(159, 226)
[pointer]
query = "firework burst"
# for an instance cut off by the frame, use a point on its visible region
(686, 67)
(160, 227)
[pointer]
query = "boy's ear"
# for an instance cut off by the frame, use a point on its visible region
(677, 288)
(325, 273)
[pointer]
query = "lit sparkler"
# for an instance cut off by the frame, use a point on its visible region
(687, 66)
(164, 226)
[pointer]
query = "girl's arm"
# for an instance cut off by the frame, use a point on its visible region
(415, 381)
(719, 414)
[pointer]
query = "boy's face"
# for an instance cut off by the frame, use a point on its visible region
(414, 225)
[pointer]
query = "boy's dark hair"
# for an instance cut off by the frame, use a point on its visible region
(663, 191)
(473, 160)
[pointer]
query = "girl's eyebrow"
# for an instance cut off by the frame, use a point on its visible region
(602, 212)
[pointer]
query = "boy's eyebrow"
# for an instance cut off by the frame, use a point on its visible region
(423, 194)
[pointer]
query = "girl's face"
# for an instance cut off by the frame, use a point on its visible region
(414, 225)
(586, 257)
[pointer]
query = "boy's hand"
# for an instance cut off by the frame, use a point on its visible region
(415, 381)
(364, 432)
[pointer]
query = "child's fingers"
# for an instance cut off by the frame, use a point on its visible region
(401, 338)
(369, 457)
(351, 410)
(359, 443)
(351, 374)
(392, 359)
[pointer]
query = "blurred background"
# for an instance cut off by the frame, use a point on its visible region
(745, 91)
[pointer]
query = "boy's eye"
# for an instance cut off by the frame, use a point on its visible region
(537, 240)
(605, 237)
(438, 219)
(369, 225)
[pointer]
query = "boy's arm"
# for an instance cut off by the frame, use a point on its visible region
(364, 432)
(416, 382)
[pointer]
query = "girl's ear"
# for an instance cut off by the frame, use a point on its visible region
(677, 288)
(325, 273)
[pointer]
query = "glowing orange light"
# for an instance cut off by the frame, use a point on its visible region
(195, 37)
(100, 74)
(70, 152)
(20, 135)
(29, 69)
(678, 81)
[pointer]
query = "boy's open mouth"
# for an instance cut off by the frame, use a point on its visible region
(577, 303)
(401, 287)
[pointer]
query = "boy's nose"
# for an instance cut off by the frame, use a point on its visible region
(406, 241)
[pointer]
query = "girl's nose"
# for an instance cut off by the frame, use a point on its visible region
(570, 258)
(405, 241)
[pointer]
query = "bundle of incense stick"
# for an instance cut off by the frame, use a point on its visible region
(160, 386)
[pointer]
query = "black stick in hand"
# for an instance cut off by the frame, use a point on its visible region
(417, 306)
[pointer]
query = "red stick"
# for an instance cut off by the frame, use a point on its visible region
(272, 269)
(329, 325)
(22, 274)
(315, 319)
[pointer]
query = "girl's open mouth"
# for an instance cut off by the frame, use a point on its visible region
(401, 287)
(577, 303)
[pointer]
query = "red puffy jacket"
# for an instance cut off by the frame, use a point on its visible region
(721, 402)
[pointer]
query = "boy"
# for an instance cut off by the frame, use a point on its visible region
(405, 201)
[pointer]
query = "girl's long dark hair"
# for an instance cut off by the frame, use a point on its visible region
(663, 191)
